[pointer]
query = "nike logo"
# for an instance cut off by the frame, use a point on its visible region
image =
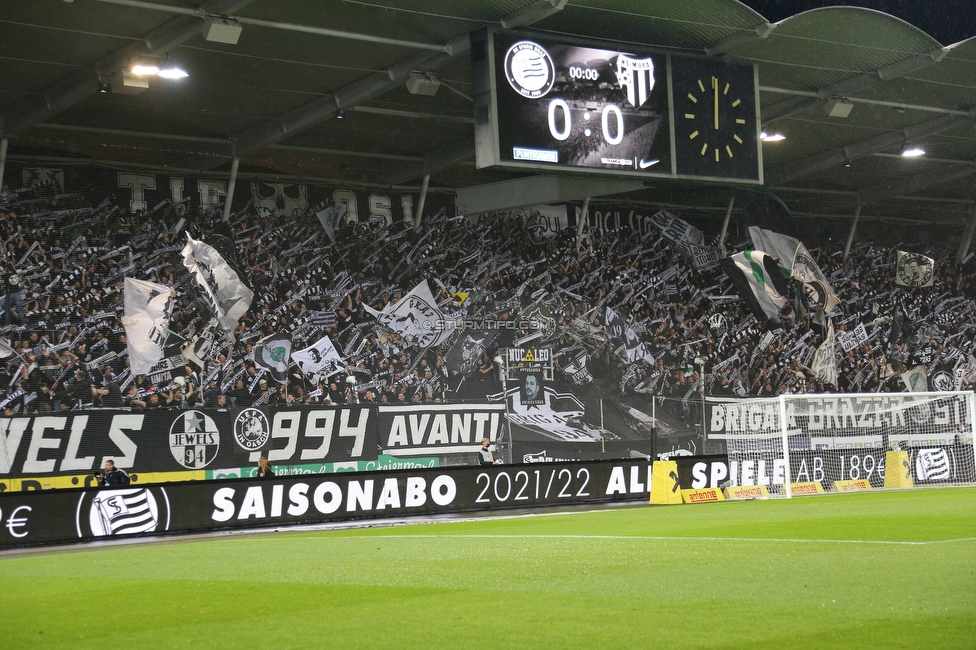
(644, 164)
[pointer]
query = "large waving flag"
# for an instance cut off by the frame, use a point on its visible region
(415, 317)
(148, 307)
(224, 292)
(760, 281)
(773, 231)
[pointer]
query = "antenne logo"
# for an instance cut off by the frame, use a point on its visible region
(251, 429)
(122, 512)
(529, 69)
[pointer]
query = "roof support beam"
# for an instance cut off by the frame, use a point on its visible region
(534, 13)
(834, 157)
(759, 32)
(914, 183)
(292, 27)
(85, 82)
(277, 129)
(433, 163)
(853, 84)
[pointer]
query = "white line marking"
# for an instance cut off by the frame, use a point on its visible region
(650, 538)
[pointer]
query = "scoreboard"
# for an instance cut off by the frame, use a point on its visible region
(543, 102)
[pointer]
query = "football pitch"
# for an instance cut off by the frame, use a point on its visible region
(892, 569)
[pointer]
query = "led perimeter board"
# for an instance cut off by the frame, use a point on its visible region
(543, 103)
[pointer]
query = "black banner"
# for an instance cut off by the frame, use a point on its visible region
(80, 442)
(64, 516)
(930, 465)
(432, 429)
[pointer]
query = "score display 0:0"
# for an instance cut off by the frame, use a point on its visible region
(559, 484)
(608, 110)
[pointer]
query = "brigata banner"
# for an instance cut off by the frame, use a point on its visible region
(64, 516)
(79, 442)
(817, 421)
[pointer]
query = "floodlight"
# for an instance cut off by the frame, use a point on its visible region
(145, 69)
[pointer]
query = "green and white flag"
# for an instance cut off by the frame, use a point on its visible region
(273, 353)
(915, 380)
(760, 281)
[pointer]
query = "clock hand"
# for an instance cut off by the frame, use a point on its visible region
(715, 94)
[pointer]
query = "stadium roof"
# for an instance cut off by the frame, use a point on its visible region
(275, 98)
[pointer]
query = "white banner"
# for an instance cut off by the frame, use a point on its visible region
(318, 361)
(824, 364)
(148, 307)
(415, 317)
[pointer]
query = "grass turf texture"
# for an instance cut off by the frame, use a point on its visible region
(887, 569)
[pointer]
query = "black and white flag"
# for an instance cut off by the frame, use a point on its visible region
(148, 307)
(324, 319)
(329, 218)
(415, 317)
(319, 361)
(226, 294)
(463, 356)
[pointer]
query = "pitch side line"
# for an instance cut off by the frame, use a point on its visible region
(665, 539)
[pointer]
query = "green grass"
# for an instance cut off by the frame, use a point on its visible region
(887, 569)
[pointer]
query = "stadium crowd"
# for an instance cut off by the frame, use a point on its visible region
(63, 273)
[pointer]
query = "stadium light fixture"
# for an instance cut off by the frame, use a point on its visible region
(912, 151)
(145, 69)
(172, 71)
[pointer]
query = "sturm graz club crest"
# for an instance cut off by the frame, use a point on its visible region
(943, 382)
(529, 69)
(251, 429)
(194, 439)
(122, 512)
(539, 314)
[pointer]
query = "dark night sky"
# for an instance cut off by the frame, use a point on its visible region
(947, 21)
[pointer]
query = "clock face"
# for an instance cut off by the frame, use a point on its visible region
(715, 119)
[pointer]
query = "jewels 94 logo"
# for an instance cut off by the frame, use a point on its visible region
(122, 512)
